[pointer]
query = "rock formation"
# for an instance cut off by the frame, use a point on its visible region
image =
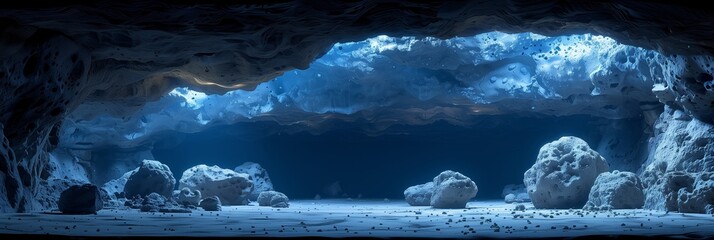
(449, 189)
(419, 195)
(231, 187)
(139, 51)
(616, 190)
(273, 199)
(211, 204)
(259, 176)
(151, 177)
(563, 174)
(80, 199)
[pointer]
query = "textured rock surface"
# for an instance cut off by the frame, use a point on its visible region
(187, 197)
(64, 173)
(563, 174)
(515, 193)
(273, 199)
(44, 74)
(115, 187)
(140, 50)
(259, 176)
(80, 199)
(616, 190)
(452, 190)
(151, 177)
(682, 146)
(419, 195)
(152, 202)
(231, 187)
(211, 204)
(683, 192)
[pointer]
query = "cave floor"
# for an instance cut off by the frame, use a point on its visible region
(363, 218)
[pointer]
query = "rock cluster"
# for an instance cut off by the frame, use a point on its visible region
(448, 190)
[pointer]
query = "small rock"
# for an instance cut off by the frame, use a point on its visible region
(211, 204)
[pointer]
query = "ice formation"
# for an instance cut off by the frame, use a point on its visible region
(490, 73)
(563, 174)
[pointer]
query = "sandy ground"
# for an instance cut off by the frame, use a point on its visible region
(362, 218)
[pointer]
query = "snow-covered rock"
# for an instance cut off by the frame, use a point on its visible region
(231, 187)
(419, 195)
(187, 197)
(616, 190)
(563, 174)
(151, 177)
(80, 199)
(211, 204)
(273, 199)
(259, 176)
(452, 190)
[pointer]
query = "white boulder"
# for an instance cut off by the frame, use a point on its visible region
(452, 190)
(230, 187)
(616, 190)
(259, 176)
(152, 176)
(419, 195)
(563, 174)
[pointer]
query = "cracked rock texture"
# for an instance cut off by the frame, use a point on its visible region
(230, 187)
(563, 174)
(616, 190)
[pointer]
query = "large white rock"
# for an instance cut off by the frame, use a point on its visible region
(616, 190)
(152, 176)
(259, 176)
(452, 190)
(563, 174)
(681, 150)
(230, 187)
(419, 195)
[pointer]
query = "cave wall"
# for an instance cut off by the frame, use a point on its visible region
(53, 57)
(43, 76)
